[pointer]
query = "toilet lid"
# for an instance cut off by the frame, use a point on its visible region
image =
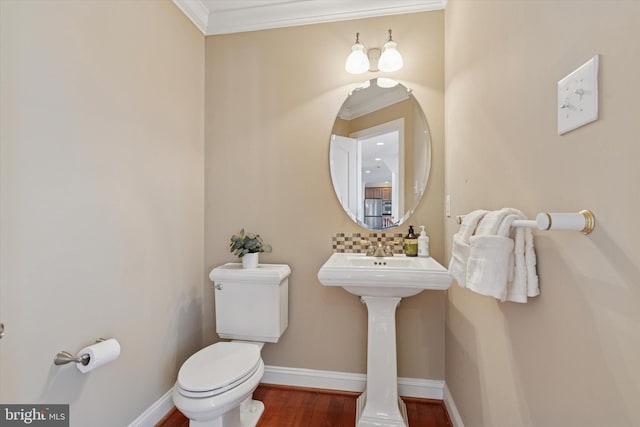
(219, 367)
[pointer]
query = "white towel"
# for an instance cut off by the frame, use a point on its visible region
(460, 248)
(533, 286)
(525, 280)
(500, 260)
(491, 255)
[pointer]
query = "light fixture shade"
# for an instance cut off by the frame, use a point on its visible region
(386, 83)
(390, 60)
(357, 61)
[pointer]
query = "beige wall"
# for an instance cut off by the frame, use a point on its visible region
(101, 200)
(569, 357)
(271, 101)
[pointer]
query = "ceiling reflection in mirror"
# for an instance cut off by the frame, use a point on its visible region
(380, 154)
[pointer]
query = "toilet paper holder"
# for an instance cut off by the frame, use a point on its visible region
(64, 357)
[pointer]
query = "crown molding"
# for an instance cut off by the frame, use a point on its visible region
(376, 99)
(292, 13)
(196, 11)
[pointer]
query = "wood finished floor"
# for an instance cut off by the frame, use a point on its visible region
(304, 407)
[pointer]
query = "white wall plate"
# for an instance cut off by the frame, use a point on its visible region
(578, 97)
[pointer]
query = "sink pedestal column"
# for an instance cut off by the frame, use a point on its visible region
(380, 404)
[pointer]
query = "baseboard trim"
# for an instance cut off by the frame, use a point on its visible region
(345, 381)
(454, 415)
(155, 412)
(315, 378)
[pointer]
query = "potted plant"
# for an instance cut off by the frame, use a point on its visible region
(247, 247)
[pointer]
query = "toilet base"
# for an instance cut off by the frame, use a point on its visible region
(250, 412)
(245, 415)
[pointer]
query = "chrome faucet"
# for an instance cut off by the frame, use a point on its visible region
(370, 249)
(378, 251)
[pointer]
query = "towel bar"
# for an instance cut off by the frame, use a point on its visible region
(583, 221)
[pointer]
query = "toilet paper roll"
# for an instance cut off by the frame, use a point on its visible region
(99, 354)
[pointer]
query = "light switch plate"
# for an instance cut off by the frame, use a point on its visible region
(578, 97)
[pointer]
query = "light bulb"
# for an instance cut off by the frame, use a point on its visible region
(357, 61)
(390, 60)
(386, 83)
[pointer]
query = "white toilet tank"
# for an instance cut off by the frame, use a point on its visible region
(251, 303)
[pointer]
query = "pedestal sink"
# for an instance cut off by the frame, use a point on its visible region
(381, 283)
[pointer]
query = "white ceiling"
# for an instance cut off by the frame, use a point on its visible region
(234, 16)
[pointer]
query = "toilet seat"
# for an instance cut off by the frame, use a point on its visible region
(218, 368)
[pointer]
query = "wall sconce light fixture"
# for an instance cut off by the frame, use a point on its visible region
(360, 61)
(357, 61)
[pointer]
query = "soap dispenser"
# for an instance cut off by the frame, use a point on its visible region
(423, 243)
(411, 243)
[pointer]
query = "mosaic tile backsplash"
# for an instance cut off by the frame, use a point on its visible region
(352, 242)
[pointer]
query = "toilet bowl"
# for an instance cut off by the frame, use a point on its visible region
(215, 386)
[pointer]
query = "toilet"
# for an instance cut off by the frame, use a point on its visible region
(215, 385)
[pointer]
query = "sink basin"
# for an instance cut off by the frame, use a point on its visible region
(396, 276)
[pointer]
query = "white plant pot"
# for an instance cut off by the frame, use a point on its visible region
(250, 260)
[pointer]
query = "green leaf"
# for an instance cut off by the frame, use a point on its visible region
(241, 244)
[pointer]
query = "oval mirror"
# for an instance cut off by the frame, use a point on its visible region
(380, 153)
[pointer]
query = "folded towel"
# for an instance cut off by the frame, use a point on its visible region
(460, 249)
(517, 287)
(491, 223)
(525, 279)
(490, 265)
(525, 282)
(533, 287)
(495, 259)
